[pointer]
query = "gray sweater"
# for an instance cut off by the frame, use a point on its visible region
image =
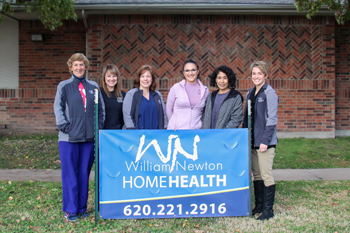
(230, 114)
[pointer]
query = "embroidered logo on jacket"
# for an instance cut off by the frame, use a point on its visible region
(260, 99)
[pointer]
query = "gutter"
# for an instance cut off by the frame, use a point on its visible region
(194, 8)
(183, 9)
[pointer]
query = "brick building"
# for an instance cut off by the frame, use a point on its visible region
(309, 59)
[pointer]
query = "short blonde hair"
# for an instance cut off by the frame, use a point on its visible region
(77, 57)
(261, 65)
(113, 69)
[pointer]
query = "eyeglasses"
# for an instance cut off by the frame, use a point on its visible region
(188, 71)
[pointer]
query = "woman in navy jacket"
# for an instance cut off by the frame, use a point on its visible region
(143, 106)
(264, 102)
(74, 109)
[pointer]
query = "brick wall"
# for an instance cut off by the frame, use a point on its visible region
(42, 67)
(342, 97)
(309, 61)
(301, 54)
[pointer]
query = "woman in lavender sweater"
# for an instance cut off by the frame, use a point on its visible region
(186, 99)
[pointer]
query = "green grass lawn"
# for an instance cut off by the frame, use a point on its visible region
(41, 152)
(312, 153)
(311, 206)
(301, 206)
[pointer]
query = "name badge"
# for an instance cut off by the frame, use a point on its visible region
(120, 99)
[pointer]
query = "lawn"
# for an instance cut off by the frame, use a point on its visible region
(313, 206)
(301, 206)
(41, 152)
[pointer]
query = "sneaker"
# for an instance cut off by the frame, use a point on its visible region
(71, 217)
(84, 215)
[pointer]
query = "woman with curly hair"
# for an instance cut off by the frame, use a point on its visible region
(223, 108)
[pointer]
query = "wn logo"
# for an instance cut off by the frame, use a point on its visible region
(177, 149)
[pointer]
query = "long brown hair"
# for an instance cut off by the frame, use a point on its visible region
(113, 69)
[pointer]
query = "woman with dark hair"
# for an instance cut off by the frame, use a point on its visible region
(74, 109)
(186, 99)
(113, 97)
(223, 108)
(143, 106)
(264, 106)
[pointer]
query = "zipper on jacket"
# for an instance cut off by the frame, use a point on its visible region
(191, 117)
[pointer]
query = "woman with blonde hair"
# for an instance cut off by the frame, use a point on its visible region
(264, 104)
(113, 97)
(143, 106)
(74, 109)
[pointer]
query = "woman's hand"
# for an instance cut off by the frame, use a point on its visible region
(262, 148)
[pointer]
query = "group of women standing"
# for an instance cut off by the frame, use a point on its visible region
(143, 107)
(189, 106)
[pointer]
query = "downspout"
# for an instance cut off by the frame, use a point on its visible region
(84, 19)
(86, 37)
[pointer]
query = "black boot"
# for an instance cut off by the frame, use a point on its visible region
(269, 198)
(259, 197)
